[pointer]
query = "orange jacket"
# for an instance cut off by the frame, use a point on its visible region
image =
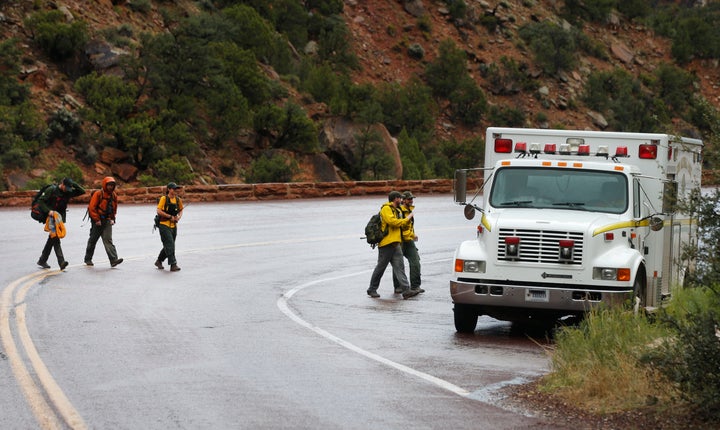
(103, 203)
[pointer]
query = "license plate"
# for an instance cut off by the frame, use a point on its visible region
(535, 295)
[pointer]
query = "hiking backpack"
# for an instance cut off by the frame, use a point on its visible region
(156, 220)
(373, 230)
(36, 211)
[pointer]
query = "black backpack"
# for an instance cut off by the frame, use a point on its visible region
(36, 211)
(166, 207)
(373, 230)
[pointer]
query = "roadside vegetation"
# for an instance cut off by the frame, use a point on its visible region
(164, 107)
(616, 361)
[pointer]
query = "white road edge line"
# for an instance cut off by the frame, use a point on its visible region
(282, 304)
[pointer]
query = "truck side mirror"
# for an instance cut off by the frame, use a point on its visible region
(656, 223)
(469, 212)
(460, 186)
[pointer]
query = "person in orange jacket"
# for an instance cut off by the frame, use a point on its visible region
(102, 210)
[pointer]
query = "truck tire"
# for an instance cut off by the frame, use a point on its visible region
(640, 287)
(465, 319)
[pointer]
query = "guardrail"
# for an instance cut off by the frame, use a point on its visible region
(245, 192)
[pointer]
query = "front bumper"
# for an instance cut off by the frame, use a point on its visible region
(509, 294)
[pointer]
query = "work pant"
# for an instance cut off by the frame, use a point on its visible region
(96, 232)
(167, 235)
(52, 243)
(391, 254)
(410, 252)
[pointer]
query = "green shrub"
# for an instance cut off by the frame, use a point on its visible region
(68, 169)
(142, 6)
(60, 40)
(468, 102)
(447, 71)
(506, 116)
(12, 92)
(64, 125)
(175, 169)
(553, 47)
(271, 168)
(415, 165)
(623, 101)
(410, 107)
(287, 128)
(690, 357)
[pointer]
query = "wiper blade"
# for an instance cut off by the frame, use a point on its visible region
(570, 204)
(516, 203)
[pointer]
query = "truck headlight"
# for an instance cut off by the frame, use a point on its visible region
(611, 273)
(472, 266)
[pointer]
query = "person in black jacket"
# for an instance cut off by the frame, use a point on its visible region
(56, 198)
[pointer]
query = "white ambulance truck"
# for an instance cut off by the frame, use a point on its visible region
(571, 220)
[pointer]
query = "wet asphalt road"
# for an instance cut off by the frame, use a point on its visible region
(267, 325)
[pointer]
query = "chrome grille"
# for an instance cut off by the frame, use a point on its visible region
(540, 246)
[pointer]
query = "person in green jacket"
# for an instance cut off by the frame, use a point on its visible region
(409, 249)
(390, 248)
(56, 198)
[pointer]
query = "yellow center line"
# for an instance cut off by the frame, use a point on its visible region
(45, 413)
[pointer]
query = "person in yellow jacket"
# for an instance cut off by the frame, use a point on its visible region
(170, 210)
(409, 249)
(390, 248)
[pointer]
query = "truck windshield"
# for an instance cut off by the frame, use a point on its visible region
(558, 188)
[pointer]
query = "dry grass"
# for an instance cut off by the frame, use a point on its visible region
(597, 364)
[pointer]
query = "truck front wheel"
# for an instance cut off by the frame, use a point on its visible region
(640, 287)
(465, 318)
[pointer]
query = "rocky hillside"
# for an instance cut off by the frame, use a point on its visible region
(381, 32)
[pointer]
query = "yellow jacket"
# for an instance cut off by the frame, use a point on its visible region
(408, 232)
(393, 223)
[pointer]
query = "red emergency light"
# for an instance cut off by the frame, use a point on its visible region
(583, 150)
(521, 147)
(503, 146)
(566, 250)
(621, 151)
(648, 152)
(550, 148)
(512, 246)
(670, 153)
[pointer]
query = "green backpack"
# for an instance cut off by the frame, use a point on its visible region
(373, 230)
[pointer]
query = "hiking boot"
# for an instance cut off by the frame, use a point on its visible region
(174, 268)
(373, 294)
(43, 264)
(114, 263)
(159, 265)
(63, 265)
(418, 289)
(410, 293)
(89, 263)
(398, 290)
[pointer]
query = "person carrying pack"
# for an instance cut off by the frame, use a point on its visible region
(169, 210)
(54, 199)
(390, 247)
(102, 210)
(409, 249)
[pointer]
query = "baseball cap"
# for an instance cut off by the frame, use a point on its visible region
(394, 195)
(68, 185)
(172, 185)
(408, 195)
